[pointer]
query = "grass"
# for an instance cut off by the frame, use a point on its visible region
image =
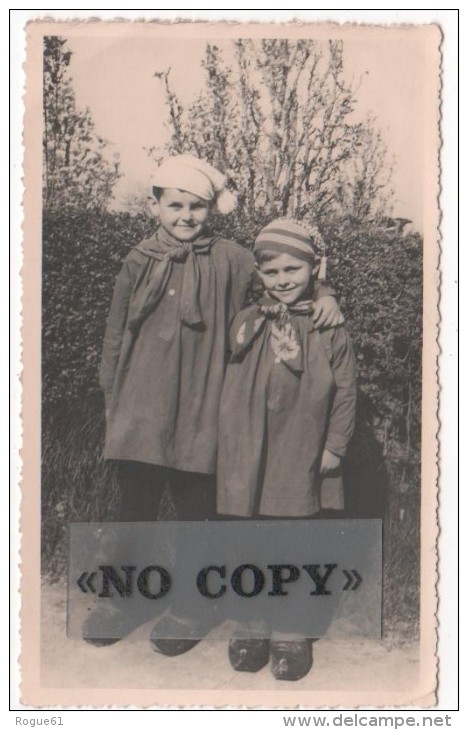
(76, 484)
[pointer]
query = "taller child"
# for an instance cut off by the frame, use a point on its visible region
(166, 342)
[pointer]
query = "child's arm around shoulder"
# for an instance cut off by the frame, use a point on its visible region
(327, 311)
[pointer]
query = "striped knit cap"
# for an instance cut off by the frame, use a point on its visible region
(289, 236)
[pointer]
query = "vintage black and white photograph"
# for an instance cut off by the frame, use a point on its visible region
(237, 400)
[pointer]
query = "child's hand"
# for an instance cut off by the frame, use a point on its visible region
(329, 462)
(327, 312)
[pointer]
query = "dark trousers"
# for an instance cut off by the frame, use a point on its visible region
(192, 496)
(142, 487)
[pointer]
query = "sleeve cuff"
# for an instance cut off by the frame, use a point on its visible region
(336, 444)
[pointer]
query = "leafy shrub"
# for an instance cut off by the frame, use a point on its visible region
(82, 255)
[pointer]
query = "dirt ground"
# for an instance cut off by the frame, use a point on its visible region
(367, 665)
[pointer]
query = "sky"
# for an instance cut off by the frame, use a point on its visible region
(114, 77)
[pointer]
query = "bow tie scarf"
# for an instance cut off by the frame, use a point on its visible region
(285, 335)
(190, 311)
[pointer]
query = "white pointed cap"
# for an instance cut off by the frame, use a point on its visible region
(196, 176)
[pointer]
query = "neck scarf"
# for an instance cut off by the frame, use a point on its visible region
(166, 249)
(285, 336)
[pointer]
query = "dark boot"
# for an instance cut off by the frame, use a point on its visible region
(249, 647)
(107, 624)
(291, 660)
(188, 633)
(248, 655)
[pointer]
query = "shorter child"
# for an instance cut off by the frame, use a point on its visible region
(287, 406)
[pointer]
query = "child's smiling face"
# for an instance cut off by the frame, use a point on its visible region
(285, 277)
(182, 214)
